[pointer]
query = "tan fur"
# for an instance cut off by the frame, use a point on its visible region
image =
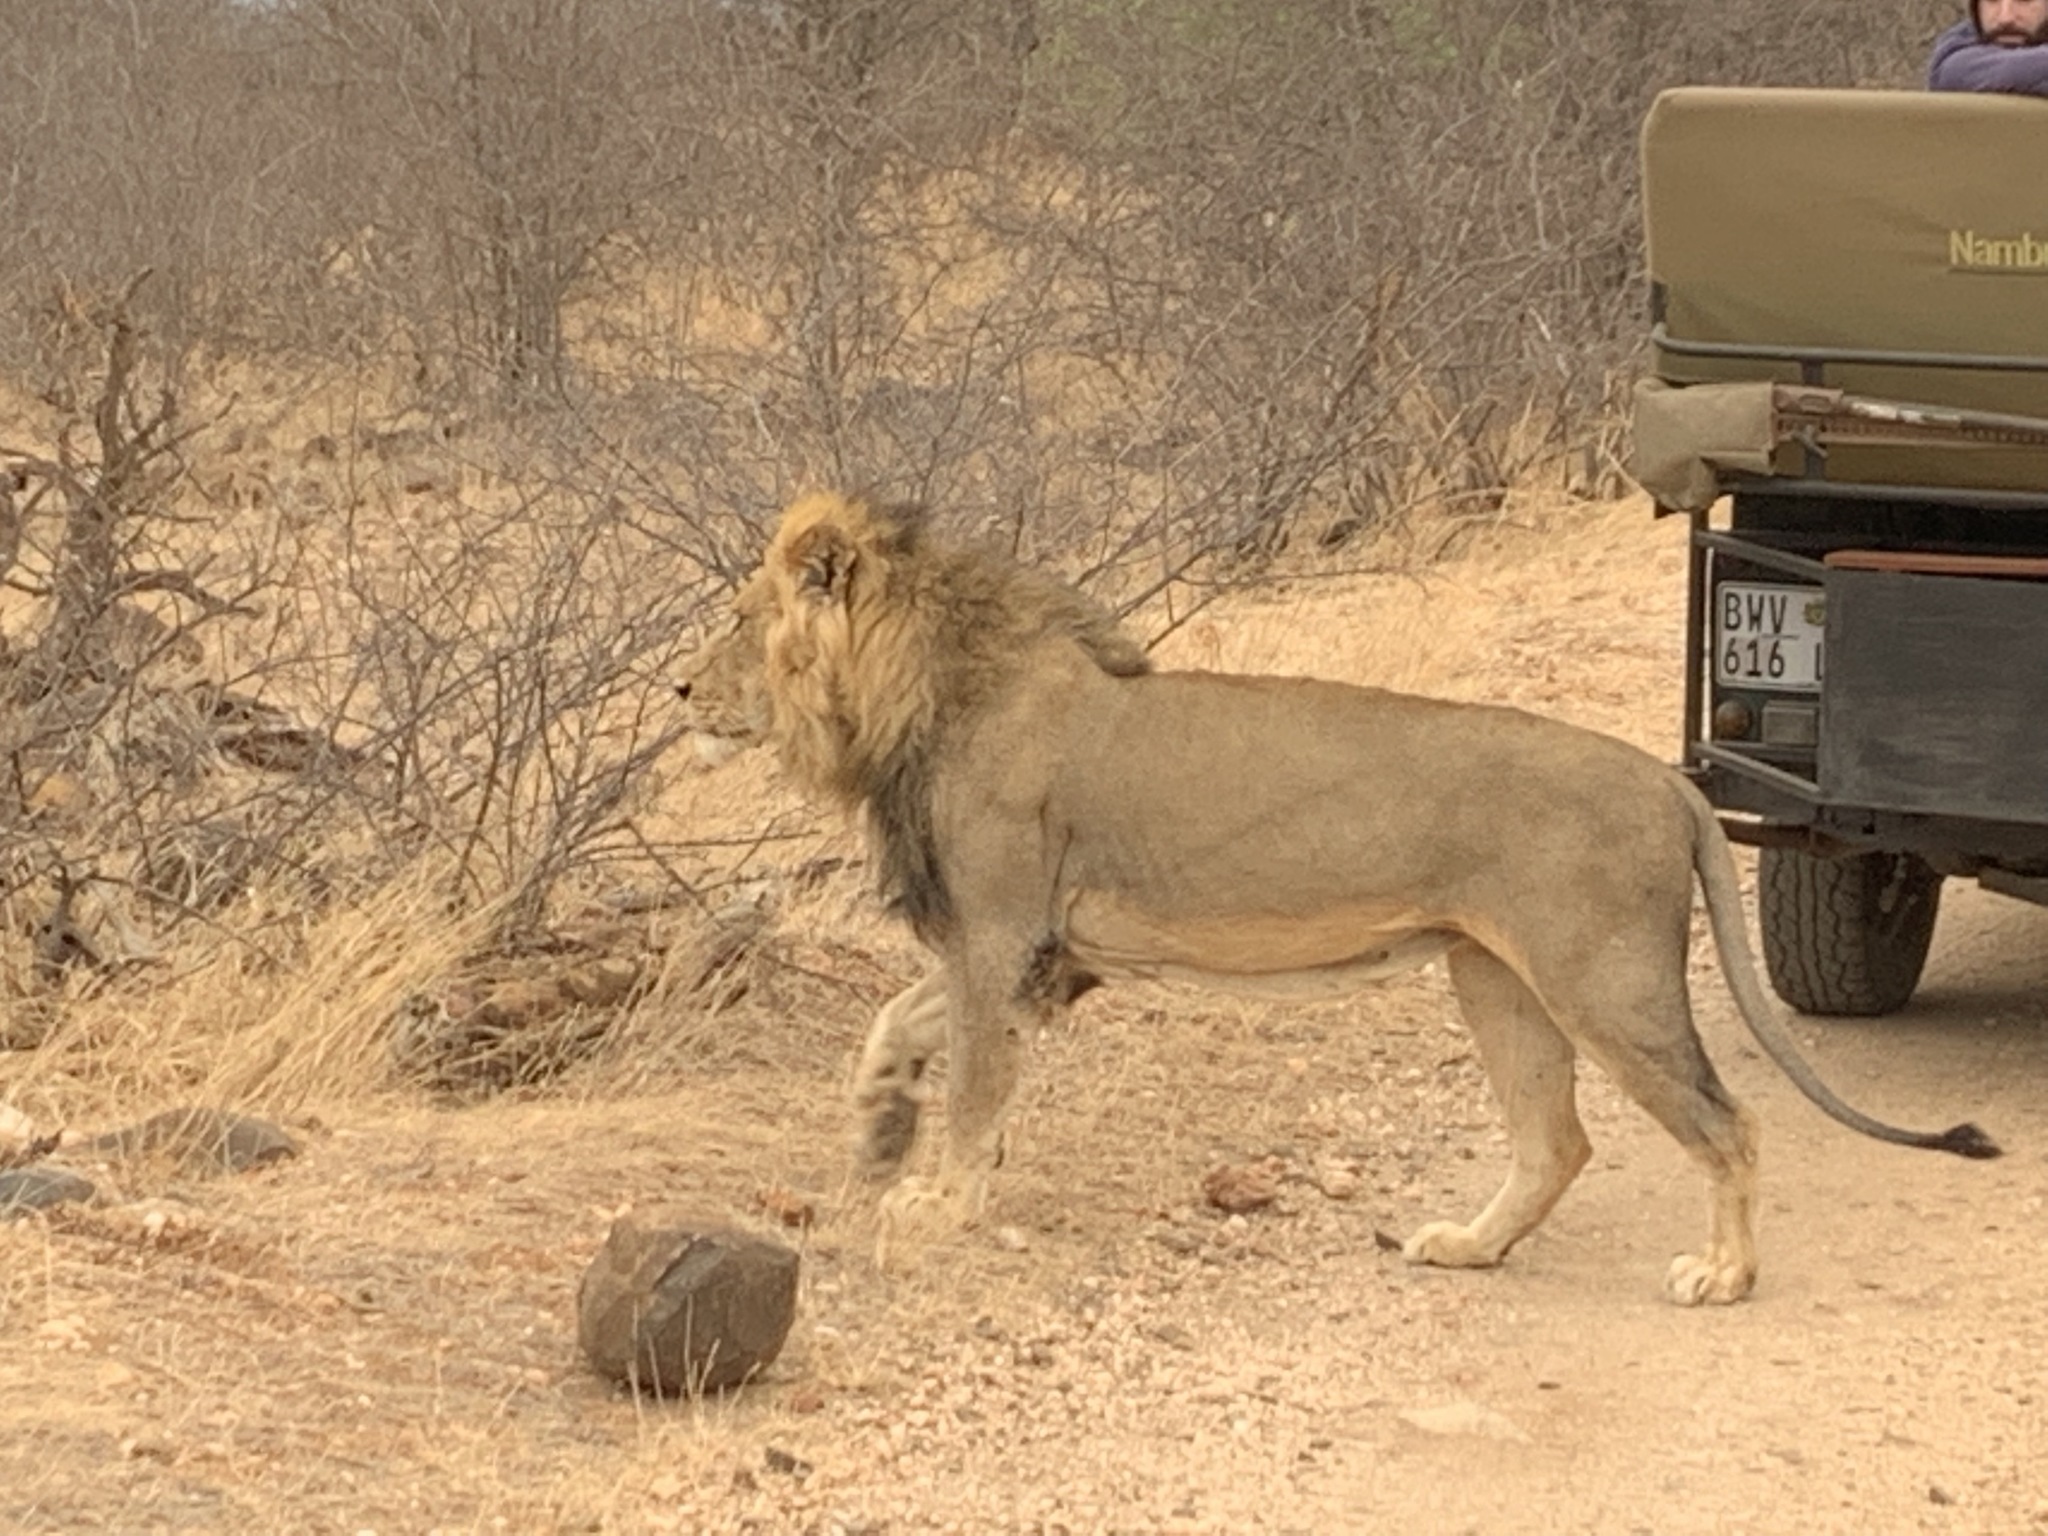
(1052, 815)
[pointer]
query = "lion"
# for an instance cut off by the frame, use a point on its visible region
(1051, 813)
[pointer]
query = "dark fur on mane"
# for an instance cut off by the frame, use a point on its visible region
(988, 609)
(900, 824)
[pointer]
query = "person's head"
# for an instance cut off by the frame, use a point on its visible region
(2011, 23)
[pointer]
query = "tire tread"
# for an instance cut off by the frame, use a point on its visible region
(1831, 944)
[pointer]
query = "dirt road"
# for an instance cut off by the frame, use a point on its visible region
(379, 1337)
(1889, 1375)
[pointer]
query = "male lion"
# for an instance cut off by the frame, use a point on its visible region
(1050, 813)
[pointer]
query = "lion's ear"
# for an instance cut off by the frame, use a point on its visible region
(821, 561)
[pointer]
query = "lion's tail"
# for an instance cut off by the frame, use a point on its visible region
(1715, 865)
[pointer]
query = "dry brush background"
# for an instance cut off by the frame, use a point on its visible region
(394, 386)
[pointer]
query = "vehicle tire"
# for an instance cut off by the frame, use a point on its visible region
(1845, 936)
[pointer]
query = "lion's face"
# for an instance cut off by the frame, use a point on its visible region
(725, 686)
(782, 670)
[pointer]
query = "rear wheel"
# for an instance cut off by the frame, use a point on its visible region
(1846, 936)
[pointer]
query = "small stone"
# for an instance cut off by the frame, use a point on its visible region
(148, 1448)
(1235, 1188)
(199, 1141)
(1171, 1334)
(1338, 1181)
(16, 1130)
(1464, 1419)
(675, 1306)
(1011, 1239)
(787, 1207)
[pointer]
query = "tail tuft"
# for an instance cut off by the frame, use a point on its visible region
(1966, 1141)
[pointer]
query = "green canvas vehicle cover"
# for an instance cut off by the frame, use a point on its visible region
(1886, 221)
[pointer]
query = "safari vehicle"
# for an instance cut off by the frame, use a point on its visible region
(1849, 306)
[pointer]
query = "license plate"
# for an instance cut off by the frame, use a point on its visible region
(1768, 636)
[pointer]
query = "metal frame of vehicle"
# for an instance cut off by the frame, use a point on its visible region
(1929, 793)
(1849, 354)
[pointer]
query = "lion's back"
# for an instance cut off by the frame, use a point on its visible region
(1271, 781)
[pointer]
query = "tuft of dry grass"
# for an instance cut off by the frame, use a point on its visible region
(1526, 614)
(277, 1030)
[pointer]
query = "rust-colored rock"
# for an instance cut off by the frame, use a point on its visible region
(673, 1306)
(1236, 1188)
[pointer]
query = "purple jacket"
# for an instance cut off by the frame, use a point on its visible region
(1963, 61)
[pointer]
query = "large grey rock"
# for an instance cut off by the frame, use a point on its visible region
(673, 1306)
(32, 1188)
(200, 1141)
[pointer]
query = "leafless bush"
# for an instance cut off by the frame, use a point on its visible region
(1211, 268)
(311, 711)
(509, 663)
(91, 721)
(1225, 271)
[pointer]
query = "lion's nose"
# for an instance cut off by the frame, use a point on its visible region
(682, 690)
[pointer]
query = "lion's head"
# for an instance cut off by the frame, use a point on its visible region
(859, 642)
(856, 637)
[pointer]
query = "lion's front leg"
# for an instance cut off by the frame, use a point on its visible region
(888, 1085)
(989, 1031)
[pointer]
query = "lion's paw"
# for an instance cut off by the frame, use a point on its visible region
(1693, 1280)
(929, 1205)
(914, 1210)
(1449, 1245)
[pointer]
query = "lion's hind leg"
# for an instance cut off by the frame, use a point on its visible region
(1530, 1065)
(1643, 1037)
(888, 1086)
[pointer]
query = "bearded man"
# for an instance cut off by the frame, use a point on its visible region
(1998, 49)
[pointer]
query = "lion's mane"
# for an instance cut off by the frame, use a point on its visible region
(879, 643)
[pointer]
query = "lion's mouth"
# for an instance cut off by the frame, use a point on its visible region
(711, 750)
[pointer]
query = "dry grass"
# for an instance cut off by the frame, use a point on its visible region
(380, 1336)
(278, 1029)
(1533, 611)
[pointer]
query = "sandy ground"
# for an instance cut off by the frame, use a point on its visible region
(380, 1336)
